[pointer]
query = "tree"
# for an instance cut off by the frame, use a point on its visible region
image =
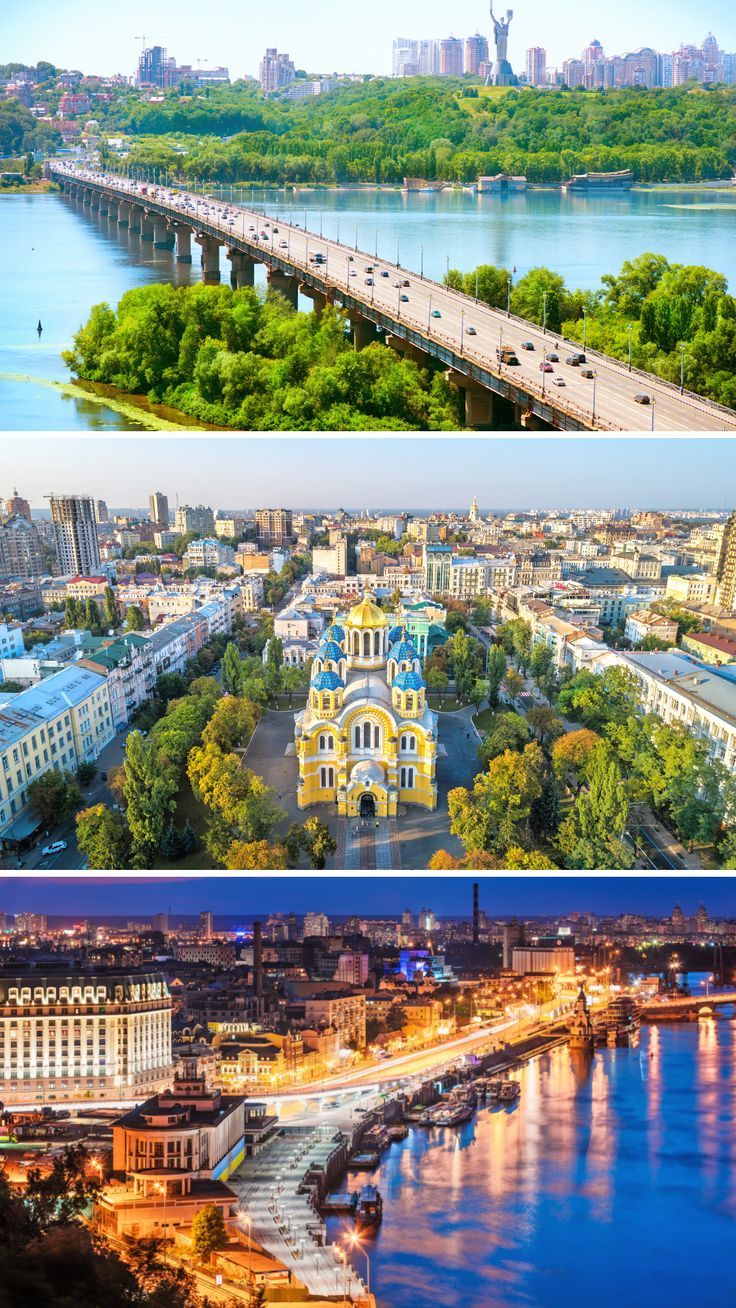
(513, 685)
(208, 1231)
(593, 834)
(54, 796)
(170, 685)
(86, 773)
(508, 731)
(437, 681)
(496, 667)
(292, 680)
(232, 670)
(495, 814)
(109, 607)
(456, 621)
(321, 844)
(102, 838)
(149, 799)
(134, 619)
(545, 722)
(599, 698)
(571, 754)
(542, 669)
(255, 856)
(479, 692)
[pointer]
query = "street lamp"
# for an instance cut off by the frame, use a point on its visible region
(353, 1240)
(629, 329)
(429, 316)
(585, 328)
(508, 297)
(595, 378)
(398, 257)
(653, 404)
(421, 262)
(544, 313)
(462, 328)
(682, 367)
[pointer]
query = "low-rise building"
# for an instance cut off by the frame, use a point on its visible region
(643, 623)
(63, 721)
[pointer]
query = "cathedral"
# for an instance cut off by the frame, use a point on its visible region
(366, 741)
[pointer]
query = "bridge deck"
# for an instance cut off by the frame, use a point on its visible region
(372, 288)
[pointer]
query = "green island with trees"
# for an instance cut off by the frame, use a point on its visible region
(235, 359)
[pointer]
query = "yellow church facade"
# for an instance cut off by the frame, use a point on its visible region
(367, 740)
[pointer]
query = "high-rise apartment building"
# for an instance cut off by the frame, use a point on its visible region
(726, 566)
(206, 924)
(276, 71)
(428, 58)
(316, 924)
(152, 66)
(158, 510)
(451, 57)
(198, 518)
(75, 531)
(536, 66)
(405, 57)
(21, 551)
(102, 513)
(79, 1036)
(476, 53)
(274, 526)
(17, 505)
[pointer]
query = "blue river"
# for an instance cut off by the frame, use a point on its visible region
(612, 1182)
(56, 261)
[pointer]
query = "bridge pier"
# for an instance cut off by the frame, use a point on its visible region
(94, 202)
(318, 298)
(364, 331)
(112, 210)
(123, 214)
(86, 198)
(210, 258)
(242, 270)
(146, 227)
(478, 400)
(134, 218)
(163, 237)
(284, 285)
(183, 237)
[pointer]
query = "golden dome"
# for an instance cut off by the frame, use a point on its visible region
(366, 614)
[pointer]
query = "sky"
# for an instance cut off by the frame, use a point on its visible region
(248, 897)
(391, 472)
(324, 36)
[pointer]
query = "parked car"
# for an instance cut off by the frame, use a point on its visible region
(56, 848)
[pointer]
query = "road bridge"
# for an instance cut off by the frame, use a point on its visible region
(419, 318)
(685, 1007)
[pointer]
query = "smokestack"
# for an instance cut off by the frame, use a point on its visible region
(476, 915)
(257, 960)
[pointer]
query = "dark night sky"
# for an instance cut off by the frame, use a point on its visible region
(377, 896)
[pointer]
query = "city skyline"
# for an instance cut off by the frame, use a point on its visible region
(323, 40)
(234, 473)
(375, 896)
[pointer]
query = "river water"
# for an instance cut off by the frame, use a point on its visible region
(56, 261)
(612, 1182)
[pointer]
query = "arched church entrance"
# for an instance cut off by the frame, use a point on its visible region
(367, 806)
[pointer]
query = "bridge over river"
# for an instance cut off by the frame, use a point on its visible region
(681, 1008)
(419, 318)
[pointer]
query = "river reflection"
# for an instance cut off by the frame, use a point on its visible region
(612, 1181)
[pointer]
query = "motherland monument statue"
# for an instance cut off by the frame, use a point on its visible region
(501, 74)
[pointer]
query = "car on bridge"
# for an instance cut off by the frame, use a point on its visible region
(552, 358)
(404, 299)
(574, 360)
(587, 372)
(385, 272)
(436, 313)
(641, 398)
(470, 331)
(545, 367)
(527, 345)
(559, 381)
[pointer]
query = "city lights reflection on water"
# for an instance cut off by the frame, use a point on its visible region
(613, 1180)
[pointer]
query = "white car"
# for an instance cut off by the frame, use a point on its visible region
(558, 381)
(56, 848)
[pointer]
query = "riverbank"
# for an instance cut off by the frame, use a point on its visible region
(137, 408)
(39, 187)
